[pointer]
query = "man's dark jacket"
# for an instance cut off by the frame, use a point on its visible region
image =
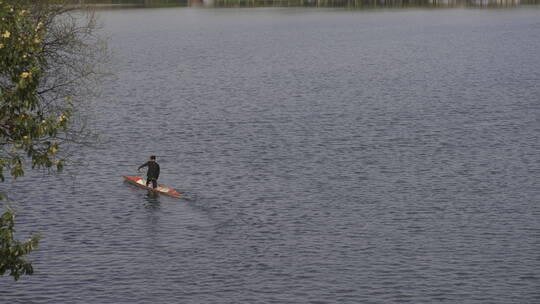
(153, 169)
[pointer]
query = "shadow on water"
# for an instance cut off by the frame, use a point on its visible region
(353, 4)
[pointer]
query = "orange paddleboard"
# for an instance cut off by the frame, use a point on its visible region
(141, 182)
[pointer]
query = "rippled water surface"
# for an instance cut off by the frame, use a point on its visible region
(328, 156)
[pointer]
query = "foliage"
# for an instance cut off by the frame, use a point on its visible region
(48, 56)
(26, 128)
(12, 250)
(29, 125)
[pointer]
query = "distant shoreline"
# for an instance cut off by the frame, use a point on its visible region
(311, 3)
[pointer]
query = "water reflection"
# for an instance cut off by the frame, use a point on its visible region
(151, 201)
(311, 3)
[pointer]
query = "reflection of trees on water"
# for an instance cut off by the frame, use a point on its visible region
(317, 3)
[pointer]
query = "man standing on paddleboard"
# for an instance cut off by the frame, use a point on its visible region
(153, 171)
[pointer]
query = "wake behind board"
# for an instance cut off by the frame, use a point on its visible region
(141, 183)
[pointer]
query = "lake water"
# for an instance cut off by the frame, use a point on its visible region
(328, 156)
